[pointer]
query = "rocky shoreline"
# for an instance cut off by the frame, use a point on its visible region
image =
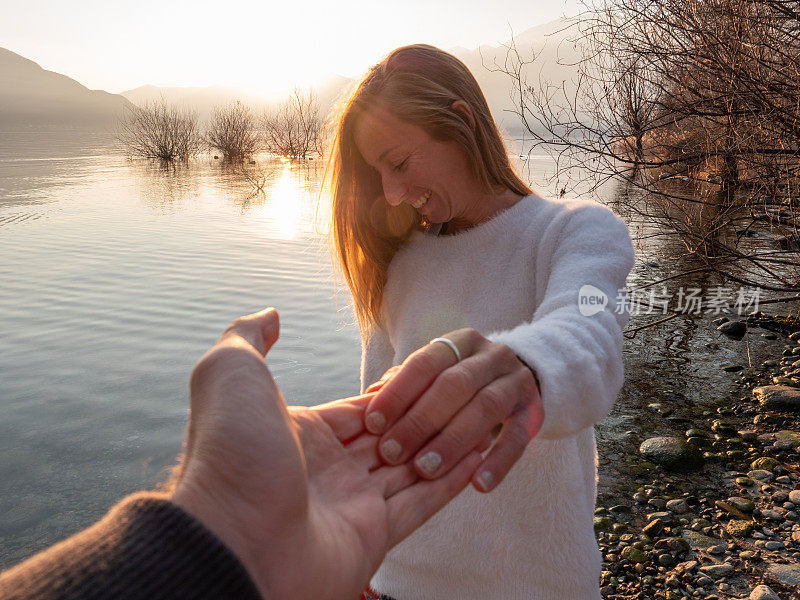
(713, 510)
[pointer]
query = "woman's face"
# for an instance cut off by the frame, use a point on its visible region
(432, 176)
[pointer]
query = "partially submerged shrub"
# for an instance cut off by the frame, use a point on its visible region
(159, 130)
(232, 131)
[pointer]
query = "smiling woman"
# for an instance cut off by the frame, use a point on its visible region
(434, 176)
(439, 239)
(409, 137)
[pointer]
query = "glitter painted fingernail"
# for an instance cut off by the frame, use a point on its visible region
(391, 450)
(375, 422)
(429, 462)
(486, 479)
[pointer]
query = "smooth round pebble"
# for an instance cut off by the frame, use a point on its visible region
(677, 506)
(774, 545)
(763, 592)
(760, 475)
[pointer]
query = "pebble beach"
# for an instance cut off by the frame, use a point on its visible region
(711, 510)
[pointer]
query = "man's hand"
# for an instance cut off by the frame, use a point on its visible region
(309, 516)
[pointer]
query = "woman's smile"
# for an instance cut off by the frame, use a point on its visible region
(421, 201)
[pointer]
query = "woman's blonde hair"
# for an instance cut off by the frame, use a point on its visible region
(419, 85)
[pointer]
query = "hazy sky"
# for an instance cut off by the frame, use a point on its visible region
(264, 45)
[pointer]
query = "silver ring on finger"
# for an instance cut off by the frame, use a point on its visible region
(450, 344)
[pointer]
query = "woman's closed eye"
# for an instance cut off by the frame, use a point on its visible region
(400, 166)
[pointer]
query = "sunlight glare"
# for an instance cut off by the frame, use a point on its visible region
(285, 204)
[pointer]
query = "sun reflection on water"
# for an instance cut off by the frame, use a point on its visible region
(286, 197)
(295, 201)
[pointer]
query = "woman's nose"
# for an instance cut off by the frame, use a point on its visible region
(394, 191)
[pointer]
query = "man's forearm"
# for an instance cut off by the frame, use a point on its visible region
(146, 547)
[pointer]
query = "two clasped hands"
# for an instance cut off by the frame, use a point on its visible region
(310, 499)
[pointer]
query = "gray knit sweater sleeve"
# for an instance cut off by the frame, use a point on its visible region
(144, 548)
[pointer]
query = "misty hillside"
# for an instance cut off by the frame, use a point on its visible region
(550, 42)
(556, 57)
(204, 99)
(33, 97)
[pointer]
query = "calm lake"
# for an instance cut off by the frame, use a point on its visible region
(115, 277)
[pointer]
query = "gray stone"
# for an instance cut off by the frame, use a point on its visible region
(717, 571)
(763, 592)
(634, 555)
(687, 566)
(601, 523)
(703, 581)
(774, 545)
(794, 496)
(766, 463)
(742, 504)
(774, 514)
(717, 550)
(733, 329)
(787, 439)
(739, 529)
(653, 528)
(663, 515)
(666, 560)
(723, 427)
(698, 540)
(760, 475)
(672, 453)
(778, 397)
(788, 575)
(678, 506)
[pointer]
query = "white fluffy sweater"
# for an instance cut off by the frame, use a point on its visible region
(516, 280)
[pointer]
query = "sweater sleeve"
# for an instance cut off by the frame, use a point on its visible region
(377, 355)
(575, 351)
(145, 548)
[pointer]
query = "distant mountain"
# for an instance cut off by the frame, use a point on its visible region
(204, 99)
(30, 96)
(199, 99)
(556, 59)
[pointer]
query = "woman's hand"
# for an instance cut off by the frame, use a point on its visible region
(374, 387)
(306, 515)
(437, 409)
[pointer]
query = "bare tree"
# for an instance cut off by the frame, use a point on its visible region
(293, 128)
(158, 130)
(232, 131)
(695, 106)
